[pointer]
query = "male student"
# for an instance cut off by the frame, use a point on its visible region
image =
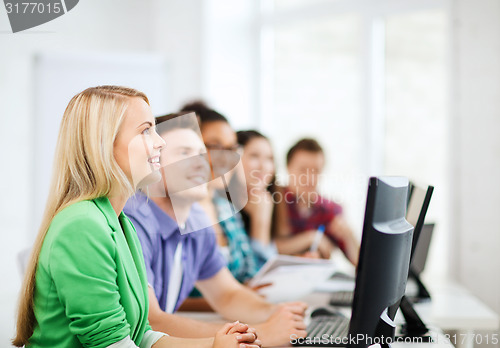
(177, 261)
(303, 210)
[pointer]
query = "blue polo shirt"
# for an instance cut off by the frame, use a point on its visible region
(159, 235)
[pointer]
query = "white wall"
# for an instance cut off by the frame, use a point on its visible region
(177, 34)
(475, 176)
(230, 63)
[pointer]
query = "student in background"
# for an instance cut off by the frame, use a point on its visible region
(220, 141)
(86, 285)
(176, 261)
(258, 214)
(303, 209)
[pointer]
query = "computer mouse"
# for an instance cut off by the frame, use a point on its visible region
(325, 312)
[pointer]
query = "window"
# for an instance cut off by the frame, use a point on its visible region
(369, 82)
(366, 78)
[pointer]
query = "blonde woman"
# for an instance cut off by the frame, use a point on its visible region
(86, 284)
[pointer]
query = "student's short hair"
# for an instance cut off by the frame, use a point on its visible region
(305, 144)
(177, 121)
(205, 113)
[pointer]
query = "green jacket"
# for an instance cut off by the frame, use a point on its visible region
(91, 286)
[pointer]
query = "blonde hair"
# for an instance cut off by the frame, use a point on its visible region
(84, 168)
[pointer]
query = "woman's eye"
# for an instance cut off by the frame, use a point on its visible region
(146, 131)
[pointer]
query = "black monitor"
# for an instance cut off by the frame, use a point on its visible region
(417, 209)
(383, 264)
(419, 259)
(414, 326)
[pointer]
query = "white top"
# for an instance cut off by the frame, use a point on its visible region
(150, 338)
(175, 281)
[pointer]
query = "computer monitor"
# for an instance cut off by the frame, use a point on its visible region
(383, 263)
(418, 205)
(419, 259)
(417, 209)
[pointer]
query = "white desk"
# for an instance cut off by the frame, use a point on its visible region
(454, 308)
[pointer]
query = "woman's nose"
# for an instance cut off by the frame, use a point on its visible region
(159, 142)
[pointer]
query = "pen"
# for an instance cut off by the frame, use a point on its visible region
(317, 238)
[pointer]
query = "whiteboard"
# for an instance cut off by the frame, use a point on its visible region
(60, 76)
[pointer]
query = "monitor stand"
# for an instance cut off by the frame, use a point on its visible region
(422, 295)
(414, 326)
(385, 328)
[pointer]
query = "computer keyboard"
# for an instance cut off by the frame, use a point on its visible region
(325, 331)
(342, 298)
